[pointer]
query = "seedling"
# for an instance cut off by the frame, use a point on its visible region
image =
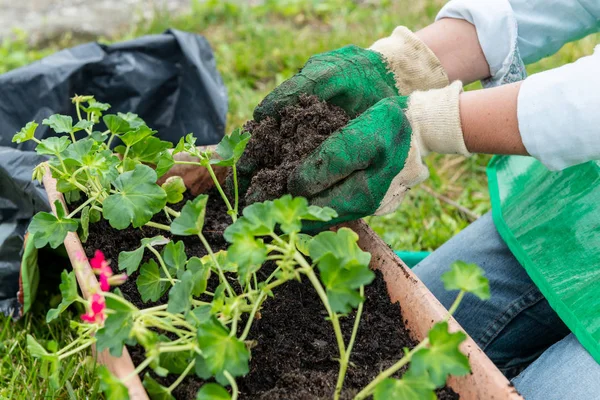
(201, 331)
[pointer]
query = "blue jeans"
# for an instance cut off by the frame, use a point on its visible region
(516, 327)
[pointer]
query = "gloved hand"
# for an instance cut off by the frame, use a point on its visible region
(366, 167)
(354, 79)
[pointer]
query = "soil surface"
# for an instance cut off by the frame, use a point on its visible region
(277, 147)
(295, 353)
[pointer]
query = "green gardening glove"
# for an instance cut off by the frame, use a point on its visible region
(368, 166)
(354, 79)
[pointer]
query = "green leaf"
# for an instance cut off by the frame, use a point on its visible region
(79, 151)
(467, 277)
(155, 390)
(248, 253)
(174, 257)
(257, 220)
(302, 241)
(147, 150)
(130, 260)
(96, 106)
(288, 211)
(48, 229)
(201, 274)
(174, 187)
(411, 387)
(191, 220)
(99, 137)
(180, 294)
(213, 391)
(342, 244)
(221, 258)
(116, 124)
(343, 267)
(149, 282)
(53, 145)
(180, 146)
(112, 387)
(442, 357)
(230, 148)
(59, 123)
(220, 352)
(117, 327)
(137, 200)
(82, 125)
(35, 349)
(26, 133)
(164, 162)
(133, 119)
(140, 133)
(68, 291)
(316, 213)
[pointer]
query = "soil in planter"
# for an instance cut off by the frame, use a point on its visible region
(296, 351)
(276, 148)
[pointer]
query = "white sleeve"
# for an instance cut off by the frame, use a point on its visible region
(558, 113)
(514, 32)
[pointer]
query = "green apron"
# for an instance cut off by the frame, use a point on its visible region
(551, 223)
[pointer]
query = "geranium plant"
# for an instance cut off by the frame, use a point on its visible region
(201, 331)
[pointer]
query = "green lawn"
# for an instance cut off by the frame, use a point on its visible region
(256, 49)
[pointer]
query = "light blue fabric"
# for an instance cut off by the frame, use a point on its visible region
(516, 328)
(557, 109)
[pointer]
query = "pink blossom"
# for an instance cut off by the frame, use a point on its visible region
(96, 308)
(102, 268)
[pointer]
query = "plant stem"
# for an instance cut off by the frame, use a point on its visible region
(182, 376)
(214, 260)
(173, 349)
(346, 360)
(368, 390)
(152, 309)
(312, 277)
(126, 152)
(456, 303)
(174, 213)
(231, 211)
(162, 264)
(110, 139)
(81, 207)
(261, 297)
(76, 350)
(235, 190)
(159, 226)
(234, 388)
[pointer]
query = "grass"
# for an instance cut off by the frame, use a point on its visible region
(256, 48)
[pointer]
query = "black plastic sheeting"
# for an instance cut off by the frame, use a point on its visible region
(169, 80)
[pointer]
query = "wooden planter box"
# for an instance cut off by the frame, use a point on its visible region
(420, 309)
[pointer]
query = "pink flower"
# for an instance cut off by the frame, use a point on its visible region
(104, 285)
(102, 268)
(96, 308)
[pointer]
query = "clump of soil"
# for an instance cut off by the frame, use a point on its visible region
(277, 147)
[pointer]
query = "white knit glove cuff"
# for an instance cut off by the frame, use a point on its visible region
(414, 65)
(434, 116)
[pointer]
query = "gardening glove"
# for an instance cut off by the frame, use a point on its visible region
(367, 167)
(354, 79)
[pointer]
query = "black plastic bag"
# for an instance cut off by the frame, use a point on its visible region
(169, 80)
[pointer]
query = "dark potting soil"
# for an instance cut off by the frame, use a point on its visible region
(295, 351)
(277, 147)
